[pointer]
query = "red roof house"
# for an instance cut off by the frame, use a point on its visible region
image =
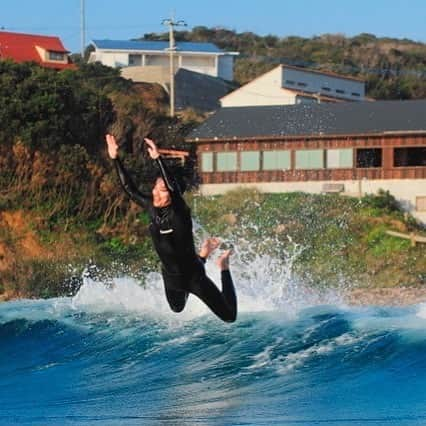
(48, 51)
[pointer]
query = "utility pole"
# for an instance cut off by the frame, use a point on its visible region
(171, 23)
(83, 28)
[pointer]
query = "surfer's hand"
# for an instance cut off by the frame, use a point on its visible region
(112, 146)
(208, 246)
(223, 260)
(152, 148)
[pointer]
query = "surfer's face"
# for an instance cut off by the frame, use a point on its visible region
(160, 185)
(160, 194)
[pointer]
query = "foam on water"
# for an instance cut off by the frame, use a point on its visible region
(263, 284)
(421, 313)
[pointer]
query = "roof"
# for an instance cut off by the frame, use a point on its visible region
(22, 48)
(199, 91)
(313, 120)
(181, 46)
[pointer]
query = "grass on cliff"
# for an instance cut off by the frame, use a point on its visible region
(42, 256)
(337, 238)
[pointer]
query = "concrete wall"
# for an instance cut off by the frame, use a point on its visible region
(201, 64)
(192, 89)
(160, 61)
(264, 90)
(316, 82)
(404, 190)
(148, 74)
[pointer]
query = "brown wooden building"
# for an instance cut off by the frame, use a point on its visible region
(354, 148)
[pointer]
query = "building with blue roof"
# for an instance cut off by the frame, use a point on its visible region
(204, 58)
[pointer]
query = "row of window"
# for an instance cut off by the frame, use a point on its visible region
(308, 159)
(299, 83)
(326, 89)
(276, 160)
(155, 59)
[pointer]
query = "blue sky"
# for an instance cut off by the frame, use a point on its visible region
(125, 19)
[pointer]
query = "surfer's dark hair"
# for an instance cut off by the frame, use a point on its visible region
(176, 174)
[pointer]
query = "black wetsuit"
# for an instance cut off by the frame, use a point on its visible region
(182, 269)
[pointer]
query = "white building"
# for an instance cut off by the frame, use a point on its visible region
(288, 85)
(204, 58)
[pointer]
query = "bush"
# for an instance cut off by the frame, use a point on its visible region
(382, 200)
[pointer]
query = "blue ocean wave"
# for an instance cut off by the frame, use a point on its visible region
(117, 356)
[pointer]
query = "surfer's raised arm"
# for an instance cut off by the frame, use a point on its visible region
(152, 149)
(169, 179)
(144, 200)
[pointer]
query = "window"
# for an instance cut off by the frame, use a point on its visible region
(250, 161)
(310, 159)
(409, 157)
(369, 157)
(276, 160)
(356, 94)
(159, 60)
(135, 60)
(340, 91)
(301, 84)
(198, 62)
(326, 89)
(291, 82)
(56, 56)
(339, 158)
(226, 161)
(207, 162)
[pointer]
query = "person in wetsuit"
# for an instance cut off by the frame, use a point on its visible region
(171, 231)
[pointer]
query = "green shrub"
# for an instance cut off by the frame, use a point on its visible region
(383, 200)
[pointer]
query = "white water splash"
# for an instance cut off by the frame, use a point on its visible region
(126, 294)
(263, 284)
(421, 313)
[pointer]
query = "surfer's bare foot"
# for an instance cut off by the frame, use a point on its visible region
(223, 261)
(209, 246)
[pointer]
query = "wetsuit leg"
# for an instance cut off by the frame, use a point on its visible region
(223, 304)
(176, 296)
(176, 299)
